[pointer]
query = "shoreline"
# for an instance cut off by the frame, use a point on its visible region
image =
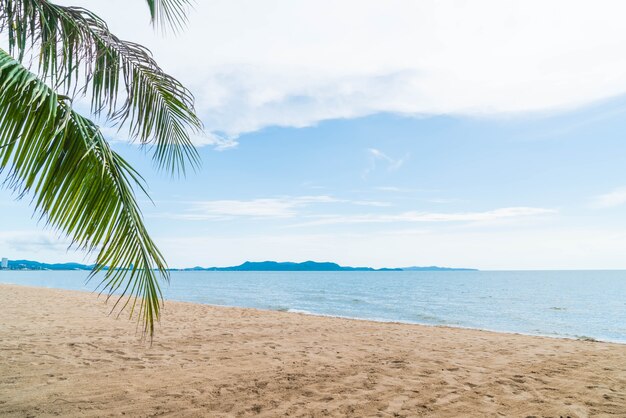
(63, 355)
(584, 338)
(400, 322)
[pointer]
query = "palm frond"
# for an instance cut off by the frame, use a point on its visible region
(79, 186)
(77, 54)
(172, 12)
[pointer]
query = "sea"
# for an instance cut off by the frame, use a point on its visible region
(567, 304)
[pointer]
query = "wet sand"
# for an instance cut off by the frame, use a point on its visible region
(62, 355)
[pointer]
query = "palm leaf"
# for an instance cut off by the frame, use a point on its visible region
(172, 12)
(79, 186)
(77, 54)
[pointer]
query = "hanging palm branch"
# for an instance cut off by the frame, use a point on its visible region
(78, 54)
(59, 157)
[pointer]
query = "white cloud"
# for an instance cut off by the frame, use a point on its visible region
(281, 207)
(372, 203)
(393, 164)
(217, 141)
(413, 216)
(258, 208)
(278, 62)
(295, 208)
(440, 200)
(392, 189)
(395, 189)
(608, 200)
(44, 246)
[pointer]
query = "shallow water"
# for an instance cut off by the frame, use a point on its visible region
(554, 303)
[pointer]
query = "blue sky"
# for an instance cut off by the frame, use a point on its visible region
(375, 159)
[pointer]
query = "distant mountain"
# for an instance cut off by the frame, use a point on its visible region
(247, 266)
(311, 266)
(35, 265)
(287, 266)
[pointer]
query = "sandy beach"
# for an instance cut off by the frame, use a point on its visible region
(61, 355)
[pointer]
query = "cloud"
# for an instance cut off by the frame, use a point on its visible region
(431, 217)
(257, 208)
(441, 200)
(393, 189)
(217, 141)
(372, 203)
(32, 242)
(298, 63)
(281, 207)
(608, 200)
(298, 208)
(393, 164)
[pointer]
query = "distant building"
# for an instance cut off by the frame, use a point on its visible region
(5, 263)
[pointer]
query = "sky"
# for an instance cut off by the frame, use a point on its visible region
(485, 134)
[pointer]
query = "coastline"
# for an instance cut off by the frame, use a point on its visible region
(400, 322)
(65, 355)
(538, 303)
(353, 318)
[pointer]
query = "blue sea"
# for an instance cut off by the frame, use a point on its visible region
(573, 304)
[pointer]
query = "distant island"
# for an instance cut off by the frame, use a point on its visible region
(247, 266)
(288, 266)
(36, 265)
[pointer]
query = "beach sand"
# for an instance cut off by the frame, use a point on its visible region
(61, 355)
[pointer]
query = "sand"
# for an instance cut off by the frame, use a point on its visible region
(62, 355)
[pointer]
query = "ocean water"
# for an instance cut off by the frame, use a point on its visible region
(572, 304)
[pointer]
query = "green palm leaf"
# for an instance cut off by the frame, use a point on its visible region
(49, 151)
(80, 186)
(172, 12)
(78, 54)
